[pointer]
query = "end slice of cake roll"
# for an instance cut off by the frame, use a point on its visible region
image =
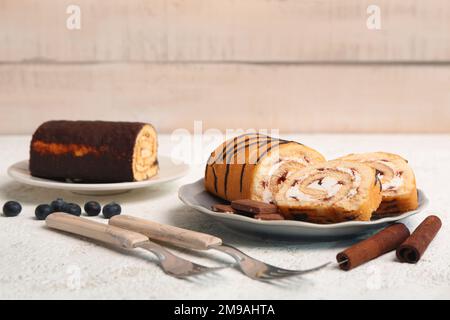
(397, 178)
(253, 166)
(330, 192)
(94, 151)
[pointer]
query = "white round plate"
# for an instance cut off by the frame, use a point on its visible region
(195, 196)
(168, 171)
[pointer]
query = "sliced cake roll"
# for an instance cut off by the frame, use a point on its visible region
(94, 151)
(397, 178)
(253, 166)
(330, 192)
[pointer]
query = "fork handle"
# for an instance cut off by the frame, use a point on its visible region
(165, 233)
(95, 230)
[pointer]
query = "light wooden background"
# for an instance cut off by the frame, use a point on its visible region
(296, 65)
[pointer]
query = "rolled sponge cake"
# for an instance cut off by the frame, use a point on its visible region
(94, 151)
(252, 166)
(330, 192)
(397, 179)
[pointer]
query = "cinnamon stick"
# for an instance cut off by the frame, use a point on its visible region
(384, 241)
(414, 247)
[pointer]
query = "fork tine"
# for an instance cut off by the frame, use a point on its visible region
(199, 270)
(276, 276)
(177, 266)
(268, 276)
(298, 272)
(265, 276)
(258, 268)
(211, 269)
(279, 273)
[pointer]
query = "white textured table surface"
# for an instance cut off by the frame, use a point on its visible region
(36, 262)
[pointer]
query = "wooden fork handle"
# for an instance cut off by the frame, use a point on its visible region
(165, 233)
(95, 230)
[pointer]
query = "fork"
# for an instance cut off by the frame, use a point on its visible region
(169, 263)
(251, 267)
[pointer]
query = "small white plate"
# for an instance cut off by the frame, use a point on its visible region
(168, 171)
(195, 196)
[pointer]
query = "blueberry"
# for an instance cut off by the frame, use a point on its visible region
(58, 205)
(12, 209)
(92, 208)
(111, 209)
(42, 211)
(73, 209)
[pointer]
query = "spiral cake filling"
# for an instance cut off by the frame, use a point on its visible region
(277, 173)
(398, 185)
(326, 185)
(144, 155)
(393, 184)
(330, 192)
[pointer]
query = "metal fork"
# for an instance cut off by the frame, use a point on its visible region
(257, 269)
(169, 263)
(251, 267)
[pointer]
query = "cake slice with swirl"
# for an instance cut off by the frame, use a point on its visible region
(397, 178)
(330, 192)
(253, 166)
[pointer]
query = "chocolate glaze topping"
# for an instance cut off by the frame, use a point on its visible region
(87, 151)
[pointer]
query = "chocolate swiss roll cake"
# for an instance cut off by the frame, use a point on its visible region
(397, 178)
(252, 166)
(94, 151)
(330, 192)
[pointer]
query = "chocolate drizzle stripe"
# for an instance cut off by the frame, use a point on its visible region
(242, 145)
(266, 142)
(206, 172)
(242, 174)
(227, 170)
(242, 177)
(227, 145)
(215, 178)
(281, 142)
(222, 154)
(247, 146)
(226, 149)
(236, 150)
(233, 154)
(225, 181)
(228, 153)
